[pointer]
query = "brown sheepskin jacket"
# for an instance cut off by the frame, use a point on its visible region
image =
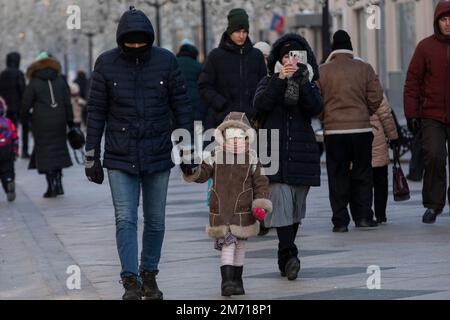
(236, 188)
(383, 126)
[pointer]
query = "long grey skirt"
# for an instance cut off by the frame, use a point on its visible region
(289, 205)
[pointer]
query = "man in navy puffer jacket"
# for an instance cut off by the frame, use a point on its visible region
(139, 93)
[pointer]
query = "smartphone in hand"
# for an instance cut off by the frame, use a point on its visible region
(298, 56)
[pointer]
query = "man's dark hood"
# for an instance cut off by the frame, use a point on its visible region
(13, 60)
(275, 53)
(442, 8)
(134, 21)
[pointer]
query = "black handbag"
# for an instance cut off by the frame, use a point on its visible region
(399, 183)
(77, 141)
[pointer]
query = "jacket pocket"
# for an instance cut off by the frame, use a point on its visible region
(117, 139)
(244, 202)
(161, 137)
(113, 90)
(213, 202)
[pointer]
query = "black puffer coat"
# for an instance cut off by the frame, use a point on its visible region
(229, 79)
(141, 101)
(49, 123)
(299, 158)
(12, 83)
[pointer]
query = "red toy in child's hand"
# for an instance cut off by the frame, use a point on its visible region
(259, 213)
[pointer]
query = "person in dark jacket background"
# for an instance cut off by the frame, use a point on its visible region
(427, 105)
(83, 83)
(232, 72)
(289, 100)
(191, 69)
(49, 98)
(12, 87)
(139, 93)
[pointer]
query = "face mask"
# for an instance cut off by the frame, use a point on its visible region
(231, 133)
(135, 53)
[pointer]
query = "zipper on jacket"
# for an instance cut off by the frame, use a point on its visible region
(241, 78)
(446, 83)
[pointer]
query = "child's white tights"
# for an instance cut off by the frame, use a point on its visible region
(233, 255)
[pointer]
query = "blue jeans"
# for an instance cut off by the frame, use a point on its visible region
(125, 190)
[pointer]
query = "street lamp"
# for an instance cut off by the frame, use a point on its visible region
(157, 6)
(326, 37)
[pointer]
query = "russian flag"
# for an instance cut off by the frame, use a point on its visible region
(277, 23)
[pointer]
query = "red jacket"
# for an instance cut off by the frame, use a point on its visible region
(427, 86)
(12, 133)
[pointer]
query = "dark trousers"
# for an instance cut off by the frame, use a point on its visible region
(25, 133)
(13, 116)
(7, 173)
(416, 164)
(349, 166)
(435, 141)
(380, 191)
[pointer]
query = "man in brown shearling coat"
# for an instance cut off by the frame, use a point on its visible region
(351, 93)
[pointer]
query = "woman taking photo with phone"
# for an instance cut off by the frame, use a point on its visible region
(287, 100)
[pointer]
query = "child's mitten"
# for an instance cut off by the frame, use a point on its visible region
(259, 213)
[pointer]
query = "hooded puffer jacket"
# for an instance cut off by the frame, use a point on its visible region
(141, 101)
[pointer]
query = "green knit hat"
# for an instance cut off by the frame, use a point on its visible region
(237, 20)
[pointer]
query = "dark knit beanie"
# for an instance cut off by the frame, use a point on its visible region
(291, 45)
(237, 20)
(341, 40)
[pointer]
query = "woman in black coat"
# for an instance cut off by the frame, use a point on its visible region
(286, 101)
(47, 97)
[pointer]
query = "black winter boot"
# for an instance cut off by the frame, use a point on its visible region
(11, 191)
(150, 287)
(283, 257)
(58, 182)
(228, 286)
(51, 186)
(293, 264)
(238, 283)
(132, 288)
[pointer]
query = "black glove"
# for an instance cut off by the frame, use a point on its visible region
(93, 167)
(393, 144)
(302, 74)
(70, 124)
(188, 169)
(414, 125)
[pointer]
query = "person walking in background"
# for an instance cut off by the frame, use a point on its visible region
(48, 96)
(287, 101)
(264, 47)
(83, 84)
(9, 151)
(139, 94)
(232, 72)
(191, 69)
(384, 127)
(426, 104)
(78, 104)
(12, 87)
(352, 93)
